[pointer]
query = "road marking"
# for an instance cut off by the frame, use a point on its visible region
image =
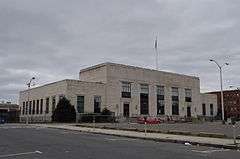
(114, 139)
(210, 151)
(19, 154)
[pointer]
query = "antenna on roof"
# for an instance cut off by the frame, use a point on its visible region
(156, 51)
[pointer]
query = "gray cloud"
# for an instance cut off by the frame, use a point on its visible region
(54, 39)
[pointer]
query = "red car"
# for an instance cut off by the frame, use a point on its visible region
(149, 120)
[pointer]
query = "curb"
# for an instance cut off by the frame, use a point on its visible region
(173, 132)
(232, 147)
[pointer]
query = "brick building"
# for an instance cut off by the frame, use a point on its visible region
(231, 99)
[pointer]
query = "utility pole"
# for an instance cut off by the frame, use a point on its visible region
(221, 84)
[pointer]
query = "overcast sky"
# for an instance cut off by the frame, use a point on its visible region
(54, 39)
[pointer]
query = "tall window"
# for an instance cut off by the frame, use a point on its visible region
(144, 99)
(26, 111)
(23, 108)
(30, 107)
(203, 109)
(126, 90)
(188, 95)
(33, 111)
(97, 104)
(47, 106)
(211, 109)
(175, 101)
(80, 104)
(37, 109)
(41, 106)
(53, 103)
(160, 100)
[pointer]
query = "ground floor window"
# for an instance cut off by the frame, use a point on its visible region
(211, 109)
(80, 104)
(144, 103)
(175, 108)
(47, 105)
(160, 105)
(97, 104)
(41, 106)
(37, 109)
(203, 109)
(30, 107)
(33, 111)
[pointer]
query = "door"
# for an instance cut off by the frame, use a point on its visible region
(188, 111)
(126, 109)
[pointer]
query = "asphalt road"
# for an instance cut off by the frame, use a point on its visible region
(23, 142)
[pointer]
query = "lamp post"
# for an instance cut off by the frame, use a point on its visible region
(29, 86)
(221, 84)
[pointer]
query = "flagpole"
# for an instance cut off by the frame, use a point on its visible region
(156, 51)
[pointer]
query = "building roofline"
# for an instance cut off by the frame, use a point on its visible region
(52, 83)
(135, 67)
(232, 90)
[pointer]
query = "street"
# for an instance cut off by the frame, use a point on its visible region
(25, 142)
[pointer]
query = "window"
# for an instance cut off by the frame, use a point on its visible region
(160, 100)
(175, 101)
(47, 106)
(53, 103)
(126, 90)
(37, 109)
(26, 111)
(41, 106)
(23, 108)
(211, 109)
(175, 108)
(160, 90)
(33, 111)
(80, 104)
(97, 104)
(203, 109)
(160, 107)
(175, 94)
(144, 88)
(188, 95)
(30, 107)
(144, 104)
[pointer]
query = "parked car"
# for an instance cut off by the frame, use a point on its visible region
(148, 120)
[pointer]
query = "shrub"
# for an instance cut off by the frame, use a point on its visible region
(65, 112)
(104, 116)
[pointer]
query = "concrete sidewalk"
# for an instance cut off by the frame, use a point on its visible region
(194, 140)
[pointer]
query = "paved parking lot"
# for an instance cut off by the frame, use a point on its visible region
(209, 127)
(23, 142)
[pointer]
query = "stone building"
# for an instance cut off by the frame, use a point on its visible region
(124, 90)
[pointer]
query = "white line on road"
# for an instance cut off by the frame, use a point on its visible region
(115, 139)
(19, 154)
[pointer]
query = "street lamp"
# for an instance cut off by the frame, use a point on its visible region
(29, 86)
(221, 84)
